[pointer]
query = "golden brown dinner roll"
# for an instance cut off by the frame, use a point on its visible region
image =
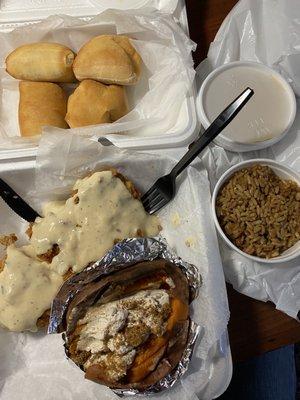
(95, 103)
(42, 62)
(108, 59)
(40, 104)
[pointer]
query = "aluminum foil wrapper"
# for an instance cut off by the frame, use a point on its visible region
(124, 254)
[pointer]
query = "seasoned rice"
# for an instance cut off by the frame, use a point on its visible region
(259, 212)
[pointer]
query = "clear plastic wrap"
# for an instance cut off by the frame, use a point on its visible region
(154, 102)
(265, 31)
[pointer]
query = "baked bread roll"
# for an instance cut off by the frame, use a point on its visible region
(41, 104)
(130, 328)
(42, 62)
(94, 103)
(108, 59)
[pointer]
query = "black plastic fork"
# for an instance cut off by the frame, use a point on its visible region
(164, 189)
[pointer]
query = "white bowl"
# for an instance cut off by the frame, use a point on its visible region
(226, 142)
(283, 172)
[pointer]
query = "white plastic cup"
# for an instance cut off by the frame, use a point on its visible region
(226, 142)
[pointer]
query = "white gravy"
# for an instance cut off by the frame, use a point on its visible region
(84, 227)
(27, 287)
(86, 230)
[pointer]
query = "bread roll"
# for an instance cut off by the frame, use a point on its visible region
(93, 103)
(41, 103)
(108, 59)
(42, 62)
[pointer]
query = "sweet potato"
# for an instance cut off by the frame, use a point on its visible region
(159, 355)
(147, 359)
(179, 312)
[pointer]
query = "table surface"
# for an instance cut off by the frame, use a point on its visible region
(255, 327)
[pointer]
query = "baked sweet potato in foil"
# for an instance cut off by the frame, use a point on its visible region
(144, 355)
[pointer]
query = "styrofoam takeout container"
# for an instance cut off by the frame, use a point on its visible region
(226, 142)
(14, 13)
(17, 166)
(283, 172)
(20, 175)
(17, 13)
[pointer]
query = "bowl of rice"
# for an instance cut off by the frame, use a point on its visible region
(256, 210)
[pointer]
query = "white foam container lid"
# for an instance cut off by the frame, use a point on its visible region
(20, 174)
(17, 165)
(15, 13)
(222, 140)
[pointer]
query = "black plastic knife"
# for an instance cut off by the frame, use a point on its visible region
(16, 203)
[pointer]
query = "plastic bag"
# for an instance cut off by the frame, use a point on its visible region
(264, 31)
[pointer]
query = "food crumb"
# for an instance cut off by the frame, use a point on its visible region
(7, 240)
(190, 241)
(175, 218)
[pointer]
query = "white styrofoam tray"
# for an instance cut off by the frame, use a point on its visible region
(17, 165)
(20, 175)
(15, 13)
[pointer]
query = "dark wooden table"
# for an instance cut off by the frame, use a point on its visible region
(255, 327)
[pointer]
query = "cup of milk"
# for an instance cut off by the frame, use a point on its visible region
(266, 118)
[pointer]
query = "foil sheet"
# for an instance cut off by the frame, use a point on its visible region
(124, 254)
